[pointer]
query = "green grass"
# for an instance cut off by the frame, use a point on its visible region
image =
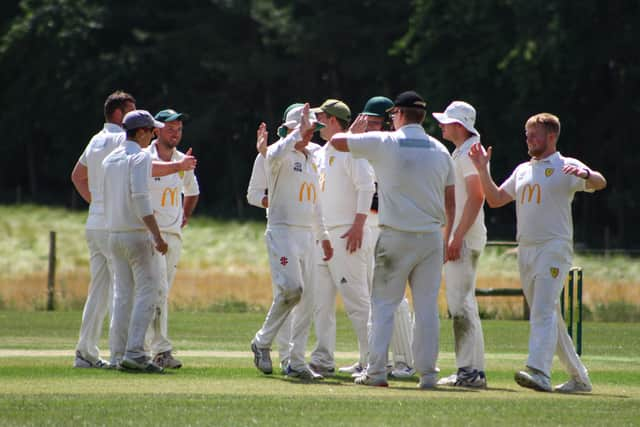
(228, 390)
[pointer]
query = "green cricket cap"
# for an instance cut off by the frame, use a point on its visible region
(334, 107)
(170, 116)
(377, 106)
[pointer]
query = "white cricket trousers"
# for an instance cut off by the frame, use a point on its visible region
(460, 276)
(418, 258)
(157, 337)
(99, 294)
(543, 269)
(347, 273)
(292, 269)
(138, 285)
(402, 335)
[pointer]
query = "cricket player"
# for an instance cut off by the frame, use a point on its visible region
(88, 177)
(346, 190)
(543, 189)
(172, 213)
(468, 238)
(258, 196)
(135, 243)
(401, 365)
(294, 224)
(416, 194)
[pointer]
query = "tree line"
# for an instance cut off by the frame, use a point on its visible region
(231, 64)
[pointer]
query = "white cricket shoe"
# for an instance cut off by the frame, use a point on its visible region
(304, 374)
(450, 380)
(262, 358)
(534, 379)
(428, 381)
(402, 371)
(574, 385)
(365, 379)
(354, 370)
(81, 362)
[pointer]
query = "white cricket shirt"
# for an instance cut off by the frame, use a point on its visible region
(167, 191)
(99, 147)
(476, 236)
(293, 187)
(346, 186)
(258, 182)
(413, 170)
(543, 196)
(127, 174)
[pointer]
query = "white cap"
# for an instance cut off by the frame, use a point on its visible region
(292, 121)
(459, 112)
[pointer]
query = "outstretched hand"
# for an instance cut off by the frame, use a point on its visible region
(359, 125)
(188, 162)
(479, 156)
(570, 169)
(262, 136)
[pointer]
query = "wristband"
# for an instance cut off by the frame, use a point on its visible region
(588, 174)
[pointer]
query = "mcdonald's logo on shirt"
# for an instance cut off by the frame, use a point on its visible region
(308, 188)
(529, 190)
(173, 196)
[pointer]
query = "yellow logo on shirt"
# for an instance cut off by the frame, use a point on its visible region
(309, 188)
(315, 168)
(181, 174)
(173, 196)
(554, 272)
(322, 180)
(530, 189)
(331, 160)
(548, 172)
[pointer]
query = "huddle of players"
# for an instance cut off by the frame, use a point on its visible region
(135, 187)
(322, 237)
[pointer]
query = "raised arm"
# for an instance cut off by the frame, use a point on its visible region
(496, 196)
(595, 180)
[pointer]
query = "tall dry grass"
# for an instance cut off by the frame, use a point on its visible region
(226, 260)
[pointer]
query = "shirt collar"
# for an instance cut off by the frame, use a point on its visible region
(549, 159)
(465, 145)
(112, 127)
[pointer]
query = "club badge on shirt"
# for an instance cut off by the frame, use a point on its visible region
(548, 172)
(297, 166)
(554, 272)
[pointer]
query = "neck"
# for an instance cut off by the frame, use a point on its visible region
(164, 152)
(544, 155)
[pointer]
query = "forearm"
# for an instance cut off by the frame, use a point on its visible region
(449, 210)
(469, 214)
(494, 195)
(80, 180)
(160, 168)
(152, 226)
(190, 203)
(339, 142)
(596, 181)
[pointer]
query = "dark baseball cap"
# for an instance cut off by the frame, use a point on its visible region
(409, 99)
(170, 116)
(140, 119)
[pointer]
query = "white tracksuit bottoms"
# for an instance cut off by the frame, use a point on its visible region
(99, 295)
(137, 290)
(402, 256)
(543, 269)
(402, 335)
(157, 337)
(347, 273)
(460, 278)
(292, 269)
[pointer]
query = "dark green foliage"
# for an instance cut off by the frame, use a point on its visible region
(232, 64)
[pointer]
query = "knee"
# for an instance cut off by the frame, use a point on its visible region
(291, 296)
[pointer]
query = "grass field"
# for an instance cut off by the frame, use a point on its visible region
(226, 261)
(220, 386)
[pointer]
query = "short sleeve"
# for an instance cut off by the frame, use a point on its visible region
(509, 185)
(366, 145)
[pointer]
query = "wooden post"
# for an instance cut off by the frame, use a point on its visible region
(52, 271)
